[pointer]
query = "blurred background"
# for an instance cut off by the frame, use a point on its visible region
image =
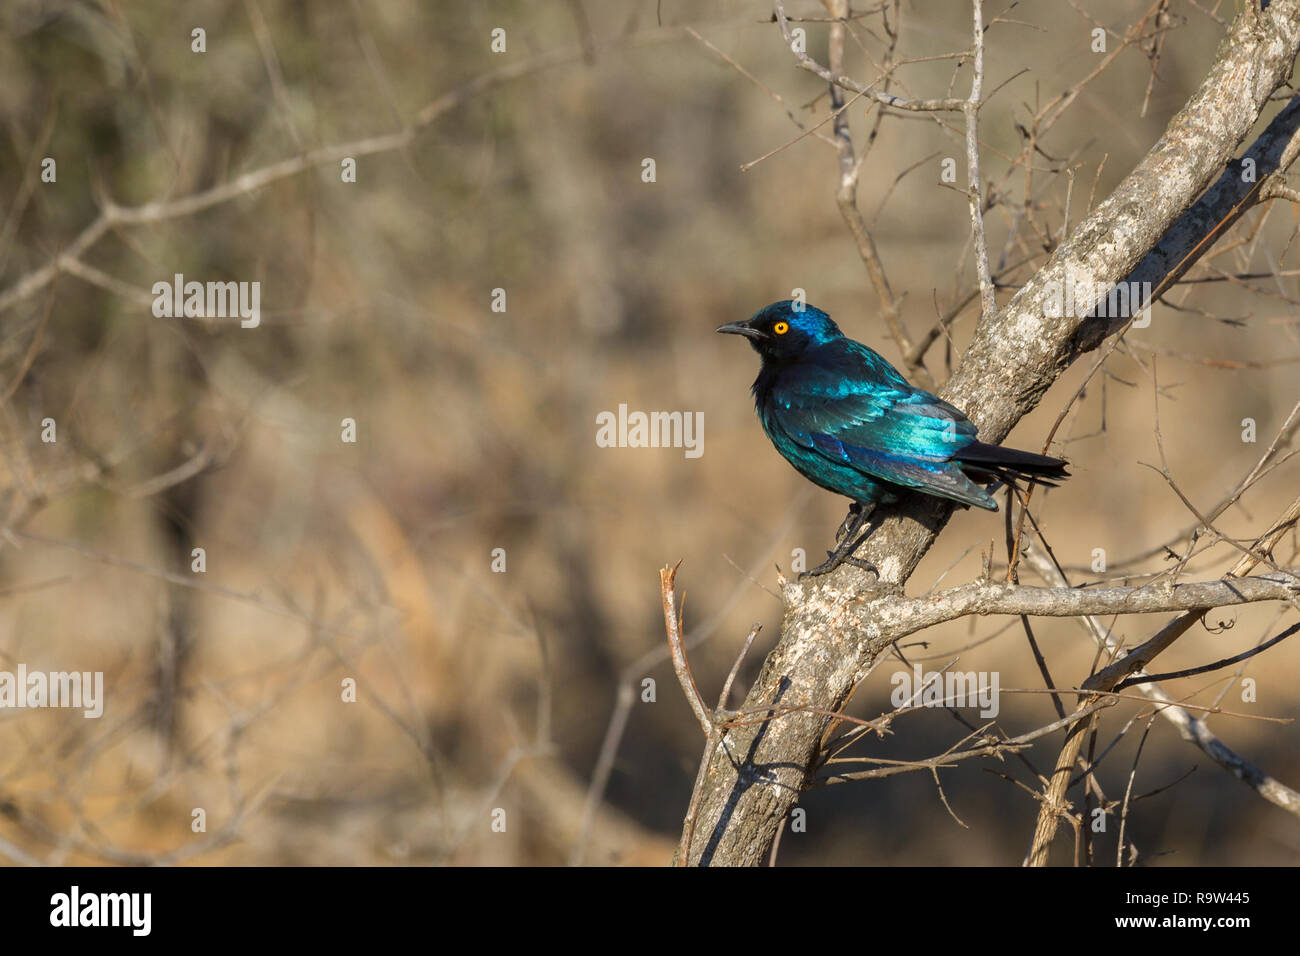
(473, 561)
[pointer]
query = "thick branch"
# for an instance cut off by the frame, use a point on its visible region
(901, 617)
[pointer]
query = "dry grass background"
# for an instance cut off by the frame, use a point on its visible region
(328, 560)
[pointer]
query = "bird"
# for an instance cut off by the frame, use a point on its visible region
(848, 421)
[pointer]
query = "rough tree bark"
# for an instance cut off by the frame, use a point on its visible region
(1151, 227)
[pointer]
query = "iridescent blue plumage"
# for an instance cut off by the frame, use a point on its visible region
(848, 421)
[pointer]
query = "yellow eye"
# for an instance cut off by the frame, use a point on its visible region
(781, 328)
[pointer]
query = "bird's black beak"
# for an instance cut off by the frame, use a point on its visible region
(741, 328)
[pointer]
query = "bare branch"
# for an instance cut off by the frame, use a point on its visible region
(970, 109)
(853, 86)
(900, 617)
(672, 622)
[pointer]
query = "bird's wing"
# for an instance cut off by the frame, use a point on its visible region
(847, 408)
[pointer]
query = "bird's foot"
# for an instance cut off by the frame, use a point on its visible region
(847, 545)
(826, 567)
(850, 522)
(863, 564)
(834, 560)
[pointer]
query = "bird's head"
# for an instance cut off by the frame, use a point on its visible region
(781, 332)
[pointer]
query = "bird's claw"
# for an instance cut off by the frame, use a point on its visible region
(864, 565)
(847, 541)
(833, 561)
(855, 510)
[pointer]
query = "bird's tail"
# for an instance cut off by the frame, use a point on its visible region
(985, 462)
